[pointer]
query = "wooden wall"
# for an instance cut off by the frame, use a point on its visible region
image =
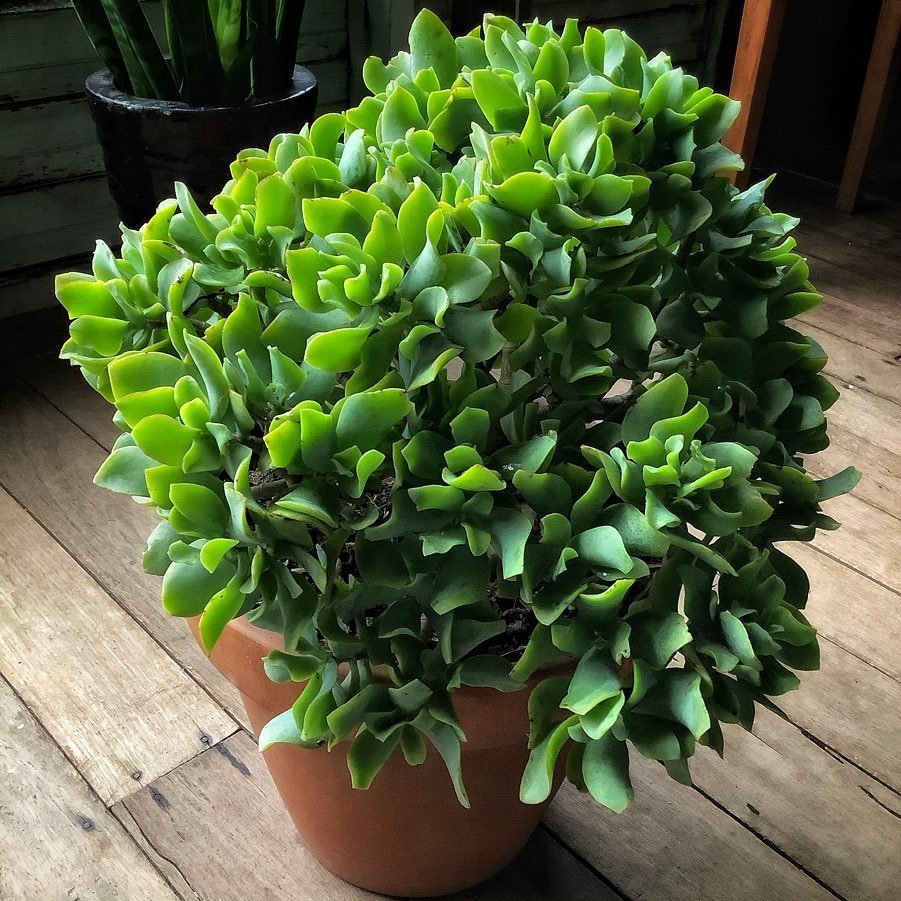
(686, 29)
(53, 196)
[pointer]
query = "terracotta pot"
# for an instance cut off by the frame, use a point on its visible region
(407, 834)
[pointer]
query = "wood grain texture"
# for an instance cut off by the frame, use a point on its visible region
(852, 709)
(673, 844)
(64, 387)
(115, 702)
(224, 802)
(56, 221)
(857, 364)
(48, 459)
(58, 841)
(844, 837)
(852, 609)
(871, 253)
(755, 54)
(869, 541)
(863, 432)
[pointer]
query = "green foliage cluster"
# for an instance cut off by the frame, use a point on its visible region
(498, 346)
(221, 52)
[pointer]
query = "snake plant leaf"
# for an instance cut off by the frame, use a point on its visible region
(96, 23)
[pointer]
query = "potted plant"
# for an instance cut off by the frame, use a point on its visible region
(474, 421)
(228, 82)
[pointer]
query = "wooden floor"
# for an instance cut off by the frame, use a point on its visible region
(127, 772)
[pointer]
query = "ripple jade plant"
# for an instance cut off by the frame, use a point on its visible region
(489, 370)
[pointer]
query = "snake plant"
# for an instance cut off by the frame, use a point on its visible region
(220, 52)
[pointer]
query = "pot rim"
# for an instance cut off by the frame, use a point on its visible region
(101, 87)
(267, 640)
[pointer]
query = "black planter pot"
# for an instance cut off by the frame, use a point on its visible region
(150, 144)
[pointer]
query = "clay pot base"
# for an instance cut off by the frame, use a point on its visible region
(407, 834)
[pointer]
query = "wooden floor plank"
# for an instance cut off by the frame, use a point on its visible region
(815, 808)
(863, 431)
(58, 841)
(852, 610)
(859, 365)
(224, 803)
(868, 541)
(46, 459)
(853, 710)
(673, 844)
(64, 387)
(118, 705)
(854, 308)
(874, 257)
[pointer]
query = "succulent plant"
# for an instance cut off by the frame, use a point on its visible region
(491, 370)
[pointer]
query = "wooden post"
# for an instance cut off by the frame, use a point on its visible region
(873, 100)
(758, 40)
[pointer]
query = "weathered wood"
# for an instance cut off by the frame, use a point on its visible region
(838, 598)
(54, 222)
(224, 803)
(863, 432)
(47, 464)
(869, 540)
(851, 708)
(755, 54)
(599, 10)
(857, 364)
(115, 702)
(63, 386)
(816, 809)
(55, 140)
(47, 142)
(672, 843)
(873, 256)
(58, 840)
(30, 289)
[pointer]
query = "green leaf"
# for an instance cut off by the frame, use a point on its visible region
(221, 609)
(526, 193)
(432, 45)
(594, 680)
(366, 419)
(297, 667)
(663, 400)
(538, 777)
(336, 351)
(367, 755)
(123, 471)
(603, 546)
(605, 769)
(448, 745)
(510, 529)
(841, 483)
(281, 729)
(574, 137)
(488, 671)
(188, 587)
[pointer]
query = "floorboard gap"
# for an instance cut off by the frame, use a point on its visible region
(770, 844)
